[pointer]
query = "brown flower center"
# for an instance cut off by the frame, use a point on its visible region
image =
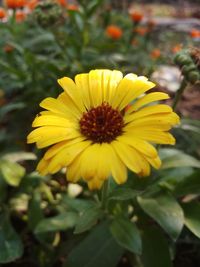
(102, 124)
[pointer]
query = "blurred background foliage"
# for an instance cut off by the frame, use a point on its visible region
(42, 41)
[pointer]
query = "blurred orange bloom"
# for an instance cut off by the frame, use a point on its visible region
(151, 24)
(8, 48)
(141, 30)
(195, 33)
(155, 53)
(2, 13)
(62, 2)
(73, 7)
(134, 42)
(31, 4)
(136, 16)
(114, 32)
(177, 48)
(15, 3)
(20, 16)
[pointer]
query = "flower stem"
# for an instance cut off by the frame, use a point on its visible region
(104, 193)
(179, 93)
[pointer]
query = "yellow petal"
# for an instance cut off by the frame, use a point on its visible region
(72, 91)
(95, 87)
(67, 101)
(127, 155)
(155, 119)
(94, 163)
(48, 135)
(42, 167)
(138, 144)
(115, 78)
(129, 89)
(65, 156)
(95, 183)
(52, 151)
(51, 120)
(155, 162)
(55, 106)
(82, 83)
(146, 100)
(146, 111)
(157, 137)
(73, 173)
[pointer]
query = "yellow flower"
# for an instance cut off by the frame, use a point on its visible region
(94, 135)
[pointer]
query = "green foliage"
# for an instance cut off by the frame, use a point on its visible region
(37, 215)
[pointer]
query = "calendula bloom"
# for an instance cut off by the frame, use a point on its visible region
(72, 7)
(141, 30)
(114, 32)
(2, 13)
(92, 133)
(155, 53)
(136, 16)
(20, 16)
(15, 3)
(31, 4)
(194, 33)
(62, 2)
(178, 47)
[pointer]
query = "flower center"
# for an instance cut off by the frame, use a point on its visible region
(102, 124)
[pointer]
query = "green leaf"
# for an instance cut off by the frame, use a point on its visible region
(60, 222)
(123, 194)
(11, 247)
(172, 158)
(155, 249)
(76, 204)
(96, 250)
(192, 217)
(19, 156)
(87, 219)
(166, 211)
(35, 214)
(190, 185)
(12, 172)
(127, 235)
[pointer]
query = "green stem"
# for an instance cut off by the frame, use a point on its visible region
(179, 94)
(104, 193)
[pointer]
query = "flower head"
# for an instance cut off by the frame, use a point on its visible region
(194, 33)
(141, 30)
(155, 53)
(15, 3)
(136, 16)
(20, 16)
(72, 7)
(114, 32)
(177, 48)
(31, 4)
(91, 132)
(62, 2)
(2, 13)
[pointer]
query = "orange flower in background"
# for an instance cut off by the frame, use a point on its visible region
(73, 7)
(136, 16)
(2, 13)
(195, 33)
(155, 53)
(114, 32)
(141, 30)
(31, 4)
(134, 42)
(8, 48)
(15, 3)
(177, 48)
(20, 16)
(62, 2)
(151, 24)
